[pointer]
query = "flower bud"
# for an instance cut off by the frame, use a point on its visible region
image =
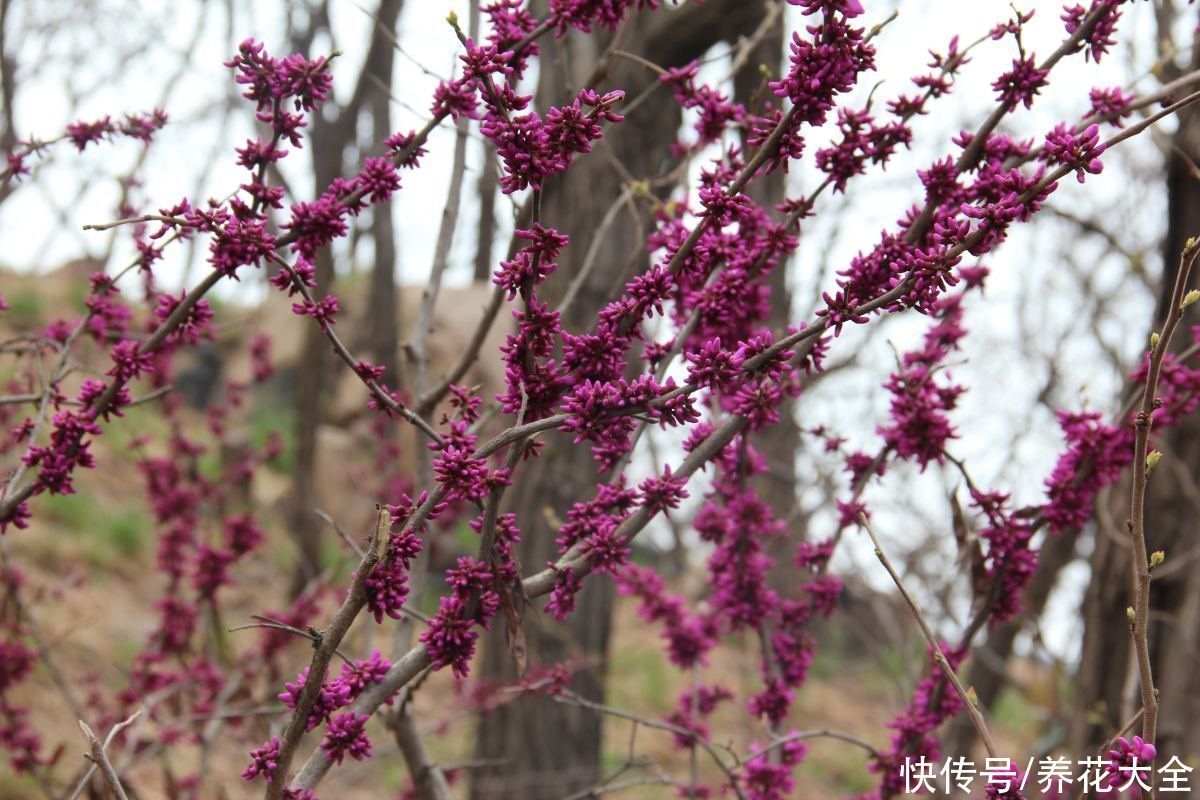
(1130, 614)
(1152, 459)
(1189, 298)
(1154, 341)
(1157, 558)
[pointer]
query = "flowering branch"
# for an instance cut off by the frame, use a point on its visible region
(1143, 463)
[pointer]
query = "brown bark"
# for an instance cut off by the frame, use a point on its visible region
(543, 749)
(383, 318)
(486, 230)
(8, 90)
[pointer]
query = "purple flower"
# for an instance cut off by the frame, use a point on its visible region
(1021, 83)
(378, 180)
(767, 778)
(772, 703)
(399, 144)
(823, 66)
(16, 168)
(912, 737)
(723, 208)
(346, 735)
(143, 126)
(242, 534)
(464, 476)
(449, 638)
(1130, 763)
(332, 696)
(1080, 150)
(1100, 37)
(583, 14)
(711, 366)
(316, 224)
(562, 597)
(243, 241)
(195, 325)
(1111, 103)
(1095, 456)
(82, 133)
(660, 494)
(263, 761)
(308, 82)
(323, 310)
(456, 99)
(69, 449)
(920, 428)
(479, 62)
(847, 8)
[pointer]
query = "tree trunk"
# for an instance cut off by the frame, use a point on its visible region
(383, 320)
(330, 138)
(544, 750)
(486, 229)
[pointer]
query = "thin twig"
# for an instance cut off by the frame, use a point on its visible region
(418, 346)
(1139, 625)
(972, 709)
(99, 758)
(345, 537)
(274, 624)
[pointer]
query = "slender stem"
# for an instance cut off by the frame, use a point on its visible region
(99, 757)
(441, 257)
(943, 663)
(1143, 422)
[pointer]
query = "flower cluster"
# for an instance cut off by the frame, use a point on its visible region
(932, 703)
(271, 82)
(716, 112)
(1129, 762)
(595, 524)
(920, 429)
(532, 264)
(20, 741)
(263, 761)
(1095, 456)
(450, 637)
(1080, 150)
(1098, 36)
(530, 147)
(346, 735)
(387, 585)
(583, 14)
(770, 778)
(1111, 104)
(693, 708)
(689, 638)
(1010, 560)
